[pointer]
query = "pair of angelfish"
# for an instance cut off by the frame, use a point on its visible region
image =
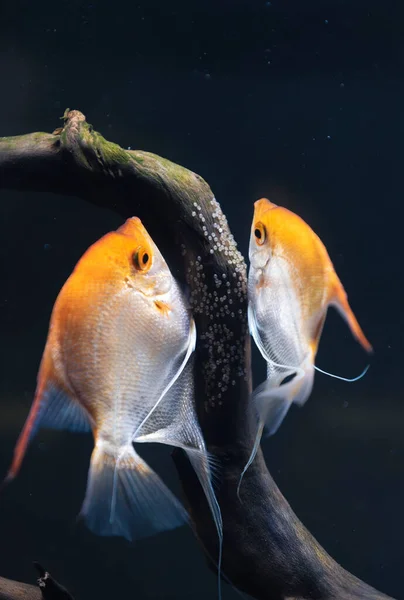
(119, 353)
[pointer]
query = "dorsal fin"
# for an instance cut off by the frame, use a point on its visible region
(339, 299)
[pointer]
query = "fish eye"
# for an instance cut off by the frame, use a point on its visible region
(260, 233)
(141, 259)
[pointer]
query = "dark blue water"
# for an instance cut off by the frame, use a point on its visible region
(298, 101)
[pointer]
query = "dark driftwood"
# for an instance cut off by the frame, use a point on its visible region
(14, 590)
(47, 588)
(268, 553)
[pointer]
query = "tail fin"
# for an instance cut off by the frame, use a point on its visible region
(125, 497)
(340, 301)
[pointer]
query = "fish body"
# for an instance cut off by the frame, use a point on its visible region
(117, 361)
(291, 284)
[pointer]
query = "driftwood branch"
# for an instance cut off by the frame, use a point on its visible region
(14, 590)
(267, 552)
(47, 588)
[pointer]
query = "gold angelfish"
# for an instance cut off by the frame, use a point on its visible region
(118, 361)
(291, 284)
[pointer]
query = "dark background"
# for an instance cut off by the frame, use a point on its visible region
(297, 100)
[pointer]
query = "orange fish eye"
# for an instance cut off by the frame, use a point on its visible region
(141, 259)
(260, 233)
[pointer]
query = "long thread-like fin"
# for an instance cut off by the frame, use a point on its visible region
(225, 578)
(190, 348)
(252, 455)
(200, 463)
(175, 422)
(51, 408)
(125, 497)
(215, 468)
(206, 466)
(252, 324)
(349, 380)
(272, 404)
(257, 339)
(340, 301)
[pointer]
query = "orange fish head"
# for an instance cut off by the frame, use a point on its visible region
(127, 256)
(145, 263)
(260, 239)
(277, 230)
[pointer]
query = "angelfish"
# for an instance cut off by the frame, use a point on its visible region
(291, 284)
(118, 361)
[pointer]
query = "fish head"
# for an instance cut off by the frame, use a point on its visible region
(120, 269)
(126, 257)
(277, 232)
(261, 243)
(125, 261)
(141, 260)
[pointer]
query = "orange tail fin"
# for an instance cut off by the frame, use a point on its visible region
(340, 301)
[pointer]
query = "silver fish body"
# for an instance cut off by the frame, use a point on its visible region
(117, 360)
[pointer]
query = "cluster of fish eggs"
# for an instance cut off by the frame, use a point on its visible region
(219, 298)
